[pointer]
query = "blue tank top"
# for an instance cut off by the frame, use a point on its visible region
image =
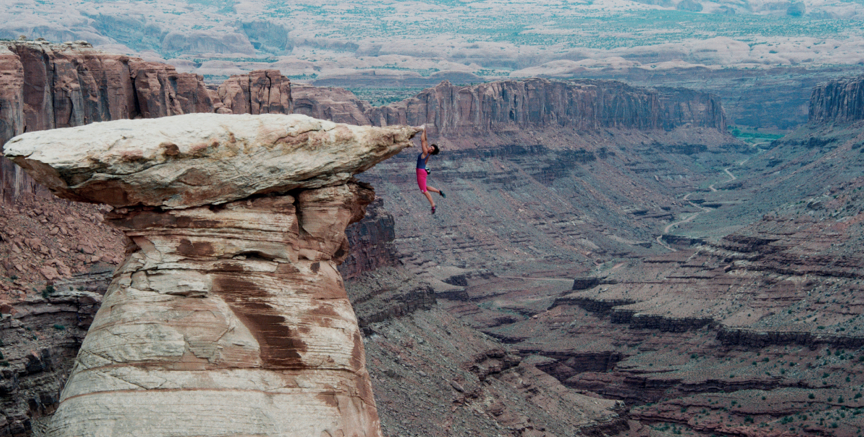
(421, 161)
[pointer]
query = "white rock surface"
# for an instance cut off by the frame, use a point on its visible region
(199, 159)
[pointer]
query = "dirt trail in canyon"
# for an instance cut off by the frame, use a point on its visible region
(531, 278)
(691, 217)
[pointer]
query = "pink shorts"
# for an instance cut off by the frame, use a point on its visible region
(421, 179)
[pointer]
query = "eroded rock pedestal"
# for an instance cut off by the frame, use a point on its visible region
(228, 316)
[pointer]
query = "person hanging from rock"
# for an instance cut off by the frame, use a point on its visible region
(423, 172)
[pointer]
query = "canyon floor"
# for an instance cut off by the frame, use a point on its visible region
(729, 304)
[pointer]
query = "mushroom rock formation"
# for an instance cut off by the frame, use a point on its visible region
(228, 316)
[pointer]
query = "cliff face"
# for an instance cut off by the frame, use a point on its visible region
(335, 104)
(540, 103)
(371, 242)
(44, 335)
(840, 101)
(47, 86)
(230, 284)
(259, 92)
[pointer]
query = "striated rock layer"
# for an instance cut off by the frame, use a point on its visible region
(371, 242)
(226, 319)
(258, 92)
(515, 105)
(839, 101)
(584, 105)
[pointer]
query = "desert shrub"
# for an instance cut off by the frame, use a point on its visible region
(48, 291)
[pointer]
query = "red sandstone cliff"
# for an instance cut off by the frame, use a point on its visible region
(535, 103)
(840, 100)
(336, 104)
(46, 86)
(258, 92)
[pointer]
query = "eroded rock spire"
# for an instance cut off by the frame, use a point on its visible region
(228, 316)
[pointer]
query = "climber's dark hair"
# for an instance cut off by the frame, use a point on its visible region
(434, 149)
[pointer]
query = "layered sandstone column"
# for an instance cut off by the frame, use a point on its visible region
(229, 316)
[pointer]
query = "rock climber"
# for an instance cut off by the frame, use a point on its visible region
(423, 172)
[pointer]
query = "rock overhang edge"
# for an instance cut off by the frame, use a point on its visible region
(192, 160)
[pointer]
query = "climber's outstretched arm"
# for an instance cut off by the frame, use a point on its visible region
(424, 143)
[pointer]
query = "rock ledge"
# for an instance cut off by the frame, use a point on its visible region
(199, 159)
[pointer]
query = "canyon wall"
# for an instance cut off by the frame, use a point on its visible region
(258, 92)
(336, 104)
(47, 86)
(582, 105)
(371, 242)
(511, 106)
(840, 101)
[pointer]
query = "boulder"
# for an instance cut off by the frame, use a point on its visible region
(200, 159)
